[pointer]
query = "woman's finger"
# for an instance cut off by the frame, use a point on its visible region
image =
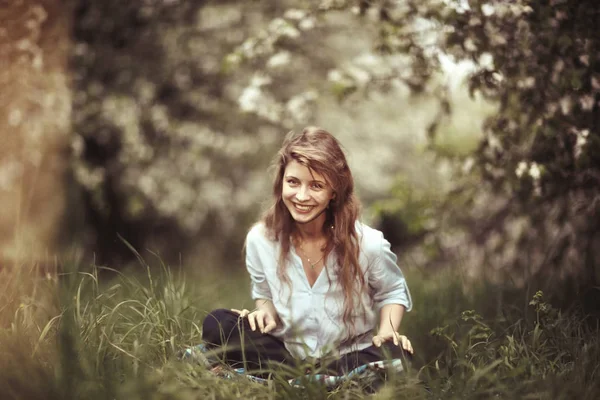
(260, 318)
(270, 326)
(243, 313)
(377, 341)
(407, 345)
(252, 321)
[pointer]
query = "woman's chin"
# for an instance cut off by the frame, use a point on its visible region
(302, 218)
(305, 218)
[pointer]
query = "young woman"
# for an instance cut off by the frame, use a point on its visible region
(320, 278)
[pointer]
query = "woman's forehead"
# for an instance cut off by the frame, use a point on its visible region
(302, 172)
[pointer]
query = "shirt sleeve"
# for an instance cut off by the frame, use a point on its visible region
(386, 279)
(259, 286)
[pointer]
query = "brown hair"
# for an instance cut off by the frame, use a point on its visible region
(318, 150)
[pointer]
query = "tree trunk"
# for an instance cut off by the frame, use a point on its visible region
(35, 114)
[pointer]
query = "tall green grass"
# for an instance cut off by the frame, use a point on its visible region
(97, 333)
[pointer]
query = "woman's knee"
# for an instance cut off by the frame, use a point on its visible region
(389, 351)
(218, 325)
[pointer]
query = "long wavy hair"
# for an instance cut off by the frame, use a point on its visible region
(319, 151)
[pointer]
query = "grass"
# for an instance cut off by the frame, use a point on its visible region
(104, 334)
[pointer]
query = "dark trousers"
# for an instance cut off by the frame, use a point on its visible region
(233, 341)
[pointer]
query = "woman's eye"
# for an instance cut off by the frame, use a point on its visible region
(317, 186)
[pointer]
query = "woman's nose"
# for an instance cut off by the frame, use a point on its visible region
(302, 194)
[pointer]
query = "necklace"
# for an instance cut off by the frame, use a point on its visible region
(312, 264)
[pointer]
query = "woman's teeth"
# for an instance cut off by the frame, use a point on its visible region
(303, 208)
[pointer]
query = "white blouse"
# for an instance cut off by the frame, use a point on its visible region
(311, 317)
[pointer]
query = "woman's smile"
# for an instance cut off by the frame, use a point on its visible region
(303, 208)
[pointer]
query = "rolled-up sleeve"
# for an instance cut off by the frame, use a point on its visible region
(259, 286)
(386, 280)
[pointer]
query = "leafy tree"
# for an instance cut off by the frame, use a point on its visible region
(531, 198)
(161, 153)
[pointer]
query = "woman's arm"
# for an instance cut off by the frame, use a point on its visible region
(390, 294)
(390, 317)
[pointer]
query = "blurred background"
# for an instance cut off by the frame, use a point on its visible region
(471, 129)
(135, 143)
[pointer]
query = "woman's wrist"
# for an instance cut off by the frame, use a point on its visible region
(386, 330)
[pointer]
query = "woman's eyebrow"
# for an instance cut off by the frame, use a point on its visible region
(312, 181)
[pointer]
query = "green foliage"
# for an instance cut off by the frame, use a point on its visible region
(409, 209)
(537, 357)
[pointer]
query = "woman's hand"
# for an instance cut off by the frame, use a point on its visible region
(391, 336)
(258, 318)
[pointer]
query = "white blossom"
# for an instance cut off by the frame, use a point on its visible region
(486, 60)
(259, 80)
(369, 60)
(77, 146)
(468, 165)
(566, 104)
(470, 45)
(534, 171)
(487, 9)
(307, 24)
(295, 14)
(279, 59)
(147, 184)
(494, 143)
(233, 59)
(298, 107)
(521, 168)
(581, 141)
(254, 100)
(335, 75)
(358, 74)
(587, 102)
(281, 27)
(89, 177)
(526, 83)
(249, 99)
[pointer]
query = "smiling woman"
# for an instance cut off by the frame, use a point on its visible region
(320, 277)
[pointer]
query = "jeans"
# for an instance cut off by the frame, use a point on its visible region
(232, 339)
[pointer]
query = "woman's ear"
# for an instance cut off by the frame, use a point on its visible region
(331, 200)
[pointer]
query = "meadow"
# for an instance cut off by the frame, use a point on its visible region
(93, 332)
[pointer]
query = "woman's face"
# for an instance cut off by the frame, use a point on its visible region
(305, 193)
